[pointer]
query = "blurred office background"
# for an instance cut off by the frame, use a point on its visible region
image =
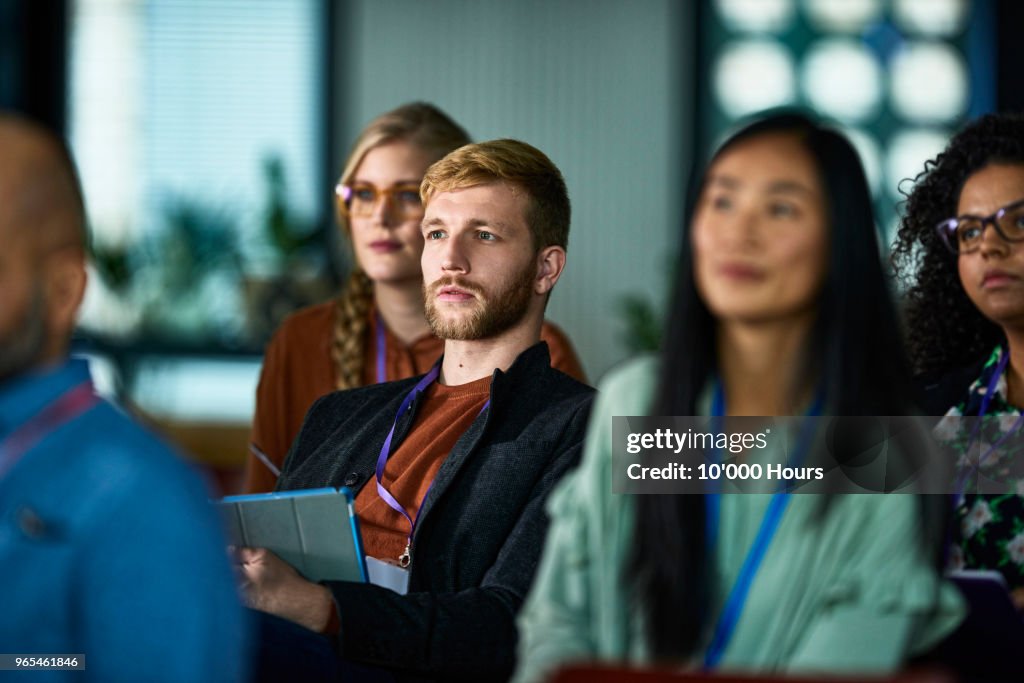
(209, 134)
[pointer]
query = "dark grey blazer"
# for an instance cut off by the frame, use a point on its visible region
(480, 530)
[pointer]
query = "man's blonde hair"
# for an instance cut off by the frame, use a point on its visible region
(514, 162)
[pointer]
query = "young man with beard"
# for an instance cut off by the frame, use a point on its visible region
(452, 469)
(109, 552)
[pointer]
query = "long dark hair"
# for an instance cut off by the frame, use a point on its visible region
(854, 349)
(944, 328)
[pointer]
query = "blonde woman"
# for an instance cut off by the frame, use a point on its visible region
(375, 330)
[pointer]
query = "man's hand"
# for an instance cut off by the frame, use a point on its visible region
(270, 584)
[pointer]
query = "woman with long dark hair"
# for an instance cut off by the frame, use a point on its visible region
(960, 249)
(780, 308)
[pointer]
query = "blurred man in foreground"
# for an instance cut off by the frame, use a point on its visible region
(109, 551)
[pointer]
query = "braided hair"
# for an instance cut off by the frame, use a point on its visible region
(424, 126)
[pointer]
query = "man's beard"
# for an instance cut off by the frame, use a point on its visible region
(21, 349)
(492, 313)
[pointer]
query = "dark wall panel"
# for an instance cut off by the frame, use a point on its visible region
(33, 59)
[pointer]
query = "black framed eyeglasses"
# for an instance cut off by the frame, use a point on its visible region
(963, 234)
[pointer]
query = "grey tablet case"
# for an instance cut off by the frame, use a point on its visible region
(314, 530)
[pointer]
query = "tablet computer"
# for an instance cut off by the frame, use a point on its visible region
(314, 530)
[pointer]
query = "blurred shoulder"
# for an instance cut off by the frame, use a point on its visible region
(368, 398)
(121, 459)
(563, 353)
(552, 333)
(316, 320)
(937, 392)
(628, 388)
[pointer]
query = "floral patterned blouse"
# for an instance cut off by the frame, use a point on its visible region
(988, 528)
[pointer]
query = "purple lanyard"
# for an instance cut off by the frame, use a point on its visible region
(68, 406)
(961, 482)
(385, 452)
(382, 350)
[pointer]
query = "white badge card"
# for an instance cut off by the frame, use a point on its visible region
(387, 575)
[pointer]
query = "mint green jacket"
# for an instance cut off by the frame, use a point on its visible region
(848, 593)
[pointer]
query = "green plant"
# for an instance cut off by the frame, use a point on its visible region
(642, 326)
(287, 233)
(113, 264)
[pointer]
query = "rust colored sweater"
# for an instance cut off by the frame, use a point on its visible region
(298, 369)
(446, 415)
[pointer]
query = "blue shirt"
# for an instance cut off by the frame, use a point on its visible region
(109, 547)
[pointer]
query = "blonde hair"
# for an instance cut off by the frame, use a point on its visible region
(518, 164)
(428, 128)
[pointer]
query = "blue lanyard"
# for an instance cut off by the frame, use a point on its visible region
(990, 390)
(769, 525)
(385, 452)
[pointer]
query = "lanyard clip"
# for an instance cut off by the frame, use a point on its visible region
(405, 559)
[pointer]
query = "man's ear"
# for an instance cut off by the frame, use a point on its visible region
(64, 282)
(550, 264)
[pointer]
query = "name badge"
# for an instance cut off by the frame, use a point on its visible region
(387, 575)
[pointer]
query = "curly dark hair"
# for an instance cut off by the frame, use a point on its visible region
(944, 329)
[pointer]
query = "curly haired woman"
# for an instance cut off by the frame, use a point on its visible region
(960, 250)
